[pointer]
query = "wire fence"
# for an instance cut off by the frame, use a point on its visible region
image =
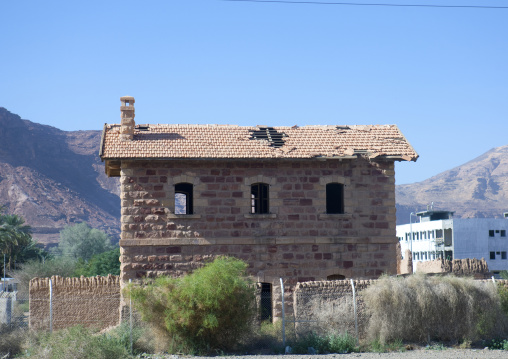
(14, 311)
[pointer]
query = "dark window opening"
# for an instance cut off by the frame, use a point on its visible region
(503, 233)
(266, 302)
(491, 233)
(334, 198)
(503, 255)
(492, 255)
(259, 198)
(335, 277)
(183, 198)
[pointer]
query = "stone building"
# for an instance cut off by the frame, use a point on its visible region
(298, 203)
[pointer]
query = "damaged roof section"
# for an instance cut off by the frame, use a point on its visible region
(229, 141)
(269, 134)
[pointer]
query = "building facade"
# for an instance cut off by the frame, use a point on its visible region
(298, 203)
(436, 234)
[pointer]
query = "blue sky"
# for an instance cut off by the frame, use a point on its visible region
(440, 74)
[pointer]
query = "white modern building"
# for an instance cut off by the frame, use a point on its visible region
(436, 234)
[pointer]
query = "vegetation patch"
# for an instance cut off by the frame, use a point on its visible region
(208, 310)
(422, 308)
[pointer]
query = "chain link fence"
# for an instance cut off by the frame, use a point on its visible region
(14, 311)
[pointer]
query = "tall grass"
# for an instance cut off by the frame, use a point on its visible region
(75, 342)
(420, 308)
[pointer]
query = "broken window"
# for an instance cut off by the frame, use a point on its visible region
(259, 198)
(183, 198)
(334, 198)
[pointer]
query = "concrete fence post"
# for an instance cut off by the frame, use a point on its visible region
(130, 316)
(283, 315)
(355, 309)
(50, 307)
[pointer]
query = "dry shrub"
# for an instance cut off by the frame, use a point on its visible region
(11, 340)
(331, 316)
(421, 308)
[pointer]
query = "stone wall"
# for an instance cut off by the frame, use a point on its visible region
(92, 302)
(297, 240)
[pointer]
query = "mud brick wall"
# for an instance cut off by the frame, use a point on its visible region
(328, 305)
(92, 302)
(297, 240)
(459, 267)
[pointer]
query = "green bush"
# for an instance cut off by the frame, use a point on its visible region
(323, 344)
(100, 264)
(498, 344)
(209, 309)
(502, 291)
(77, 343)
(423, 308)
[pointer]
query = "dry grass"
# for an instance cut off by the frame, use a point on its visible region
(331, 316)
(420, 308)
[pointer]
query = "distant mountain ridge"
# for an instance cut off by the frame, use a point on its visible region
(54, 178)
(476, 189)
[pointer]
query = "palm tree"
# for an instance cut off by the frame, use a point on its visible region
(14, 236)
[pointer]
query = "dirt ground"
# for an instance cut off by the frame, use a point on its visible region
(412, 354)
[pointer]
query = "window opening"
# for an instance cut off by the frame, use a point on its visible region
(183, 198)
(335, 198)
(503, 233)
(259, 198)
(503, 255)
(492, 255)
(491, 233)
(266, 302)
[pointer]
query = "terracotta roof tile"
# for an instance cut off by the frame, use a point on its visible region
(231, 141)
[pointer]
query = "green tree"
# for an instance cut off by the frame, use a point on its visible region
(15, 235)
(100, 264)
(44, 268)
(82, 241)
(209, 309)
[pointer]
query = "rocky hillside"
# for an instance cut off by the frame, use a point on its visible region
(55, 178)
(476, 189)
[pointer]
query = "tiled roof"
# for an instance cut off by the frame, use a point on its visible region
(228, 141)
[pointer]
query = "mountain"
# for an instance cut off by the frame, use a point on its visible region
(476, 189)
(54, 178)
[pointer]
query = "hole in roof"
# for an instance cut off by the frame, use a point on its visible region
(270, 134)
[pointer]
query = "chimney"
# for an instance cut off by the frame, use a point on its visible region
(127, 116)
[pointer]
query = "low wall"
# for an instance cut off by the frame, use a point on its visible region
(460, 267)
(92, 302)
(329, 304)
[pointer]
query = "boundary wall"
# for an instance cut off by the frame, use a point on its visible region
(91, 302)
